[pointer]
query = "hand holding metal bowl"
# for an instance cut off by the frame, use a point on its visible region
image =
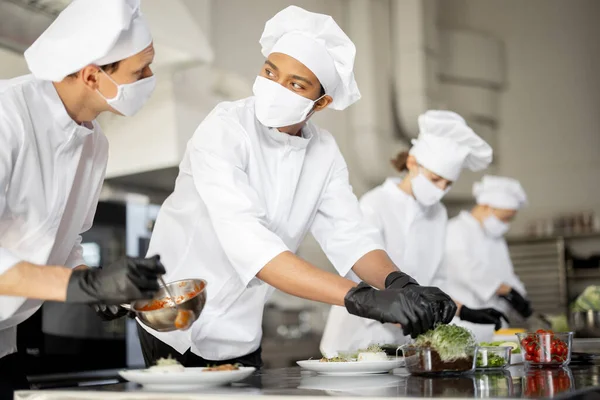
(165, 314)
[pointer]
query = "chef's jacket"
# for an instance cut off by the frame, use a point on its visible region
(414, 238)
(51, 173)
(474, 266)
(246, 193)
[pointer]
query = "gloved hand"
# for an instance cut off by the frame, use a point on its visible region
(443, 307)
(519, 303)
(109, 313)
(121, 282)
(482, 316)
(398, 306)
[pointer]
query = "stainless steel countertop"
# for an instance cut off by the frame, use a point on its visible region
(515, 382)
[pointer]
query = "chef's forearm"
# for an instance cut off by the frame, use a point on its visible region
(293, 275)
(35, 281)
(374, 267)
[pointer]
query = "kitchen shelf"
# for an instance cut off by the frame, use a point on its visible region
(542, 264)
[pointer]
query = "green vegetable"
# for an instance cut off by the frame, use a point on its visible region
(588, 300)
(515, 346)
(374, 348)
(559, 323)
(450, 341)
(493, 360)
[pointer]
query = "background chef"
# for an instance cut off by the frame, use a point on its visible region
(95, 57)
(477, 263)
(412, 221)
(255, 178)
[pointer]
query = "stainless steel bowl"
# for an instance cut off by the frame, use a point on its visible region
(190, 294)
(586, 324)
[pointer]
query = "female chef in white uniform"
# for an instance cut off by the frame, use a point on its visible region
(256, 177)
(52, 161)
(477, 263)
(412, 221)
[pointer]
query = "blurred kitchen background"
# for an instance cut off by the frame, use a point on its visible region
(524, 73)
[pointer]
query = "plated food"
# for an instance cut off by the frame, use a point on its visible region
(371, 353)
(372, 360)
(447, 349)
(224, 367)
(166, 365)
(169, 374)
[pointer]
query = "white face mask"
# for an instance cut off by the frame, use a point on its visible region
(130, 97)
(425, 191)
(494, 227)
(276, 106)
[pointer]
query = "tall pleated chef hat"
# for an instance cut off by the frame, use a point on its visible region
(320, 44)
(88, 32)
(446, 145)
(500, 192)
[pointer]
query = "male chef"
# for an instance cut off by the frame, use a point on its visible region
(477, 261)
(95, 57)
(256, 177)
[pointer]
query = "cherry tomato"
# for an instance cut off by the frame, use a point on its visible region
(531, 348)
(529, 357)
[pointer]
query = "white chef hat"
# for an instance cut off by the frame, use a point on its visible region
(446, 145)
(321, 45)
(88, 32)
(500, 192)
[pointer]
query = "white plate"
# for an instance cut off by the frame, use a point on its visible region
(191, 378)
(351, 367)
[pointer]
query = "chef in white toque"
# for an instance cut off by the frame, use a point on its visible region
(256, 177)
(95, 57)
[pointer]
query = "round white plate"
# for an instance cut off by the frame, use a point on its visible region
(351, 367)
(191, 378)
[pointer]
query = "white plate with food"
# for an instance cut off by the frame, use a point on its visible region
(170, 375)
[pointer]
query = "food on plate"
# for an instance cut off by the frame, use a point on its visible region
(224, 367)
(369, 356)
(447, 348)
(544, 346)
(371, 353)
(166, 365)
(336, 359)
(514, 345)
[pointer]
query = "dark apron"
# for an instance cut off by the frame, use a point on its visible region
(153, 349)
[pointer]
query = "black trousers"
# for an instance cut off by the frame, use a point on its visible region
(153, 349)
(12, 376)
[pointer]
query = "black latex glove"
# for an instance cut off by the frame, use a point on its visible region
(109, 313)
(519, 303)
(482, 316)
(398, 306)
(443, 307)
(121, 282)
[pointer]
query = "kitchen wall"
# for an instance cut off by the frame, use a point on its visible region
(549, 133)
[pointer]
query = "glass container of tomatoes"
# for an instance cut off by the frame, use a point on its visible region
(545, 348)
